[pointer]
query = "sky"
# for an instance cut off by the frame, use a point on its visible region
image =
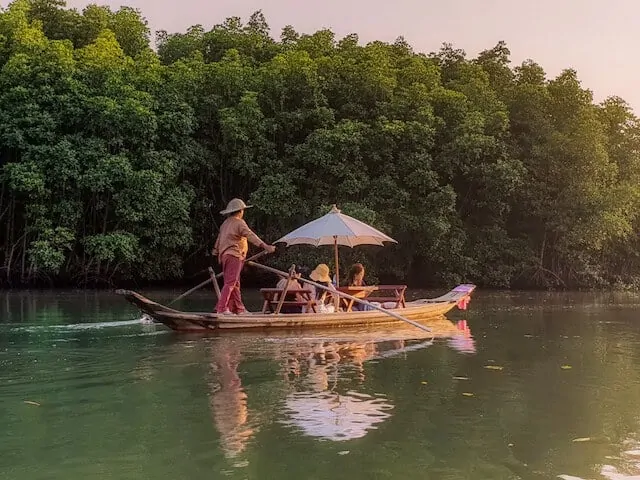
(599, 38)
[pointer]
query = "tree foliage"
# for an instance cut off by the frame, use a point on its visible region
(114, 158)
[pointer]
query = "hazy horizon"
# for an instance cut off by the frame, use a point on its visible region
(596, 38)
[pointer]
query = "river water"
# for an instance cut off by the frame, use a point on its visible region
(521, 385)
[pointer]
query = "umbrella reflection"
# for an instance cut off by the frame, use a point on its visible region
(336, 417)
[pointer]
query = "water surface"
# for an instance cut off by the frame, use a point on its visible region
(522, 385)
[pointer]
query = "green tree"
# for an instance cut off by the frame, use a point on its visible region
(115, 158)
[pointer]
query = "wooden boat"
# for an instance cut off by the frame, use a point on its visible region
(417, 310)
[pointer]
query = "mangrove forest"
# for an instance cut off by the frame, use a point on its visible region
(118, 152)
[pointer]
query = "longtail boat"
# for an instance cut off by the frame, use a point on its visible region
(418, 310)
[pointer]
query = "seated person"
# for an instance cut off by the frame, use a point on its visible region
(321, 275)
(294, 284)
(356, 279)
(356, 275)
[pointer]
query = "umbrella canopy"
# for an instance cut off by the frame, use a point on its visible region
(335, 228)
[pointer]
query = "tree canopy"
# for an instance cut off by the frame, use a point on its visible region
(115, 158)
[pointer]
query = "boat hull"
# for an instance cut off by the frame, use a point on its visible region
(419, 310)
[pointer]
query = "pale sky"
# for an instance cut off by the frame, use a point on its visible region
(596, 37)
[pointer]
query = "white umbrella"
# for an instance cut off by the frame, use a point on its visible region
(335, 229)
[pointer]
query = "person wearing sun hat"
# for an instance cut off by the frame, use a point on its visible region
(231, 249)
(321, 275)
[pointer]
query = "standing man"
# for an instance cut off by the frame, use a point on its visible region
(231, 249)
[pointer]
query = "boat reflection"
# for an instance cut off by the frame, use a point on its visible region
(314, 363)
(312, 396)
(463, 342)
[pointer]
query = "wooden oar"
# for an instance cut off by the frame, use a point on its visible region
(255, 257)
(189, 291)
(283, 295)
(342, 294)
(214, 280)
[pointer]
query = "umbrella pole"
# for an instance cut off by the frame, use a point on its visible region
(336, 302)
(335, 245)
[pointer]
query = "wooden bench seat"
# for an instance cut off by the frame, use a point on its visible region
(383, 299)
(371, 293)
(394, 293)
(272, 299)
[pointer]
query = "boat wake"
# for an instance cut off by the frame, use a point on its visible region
(81, 326)
(96, 325)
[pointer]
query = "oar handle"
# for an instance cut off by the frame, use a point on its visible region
(249, 260)
(211, 278)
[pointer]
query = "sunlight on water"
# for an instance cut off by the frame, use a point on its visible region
(626, 466)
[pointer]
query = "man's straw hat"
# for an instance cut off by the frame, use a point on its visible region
(235, 205)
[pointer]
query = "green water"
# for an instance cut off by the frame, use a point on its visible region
(120, 400)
